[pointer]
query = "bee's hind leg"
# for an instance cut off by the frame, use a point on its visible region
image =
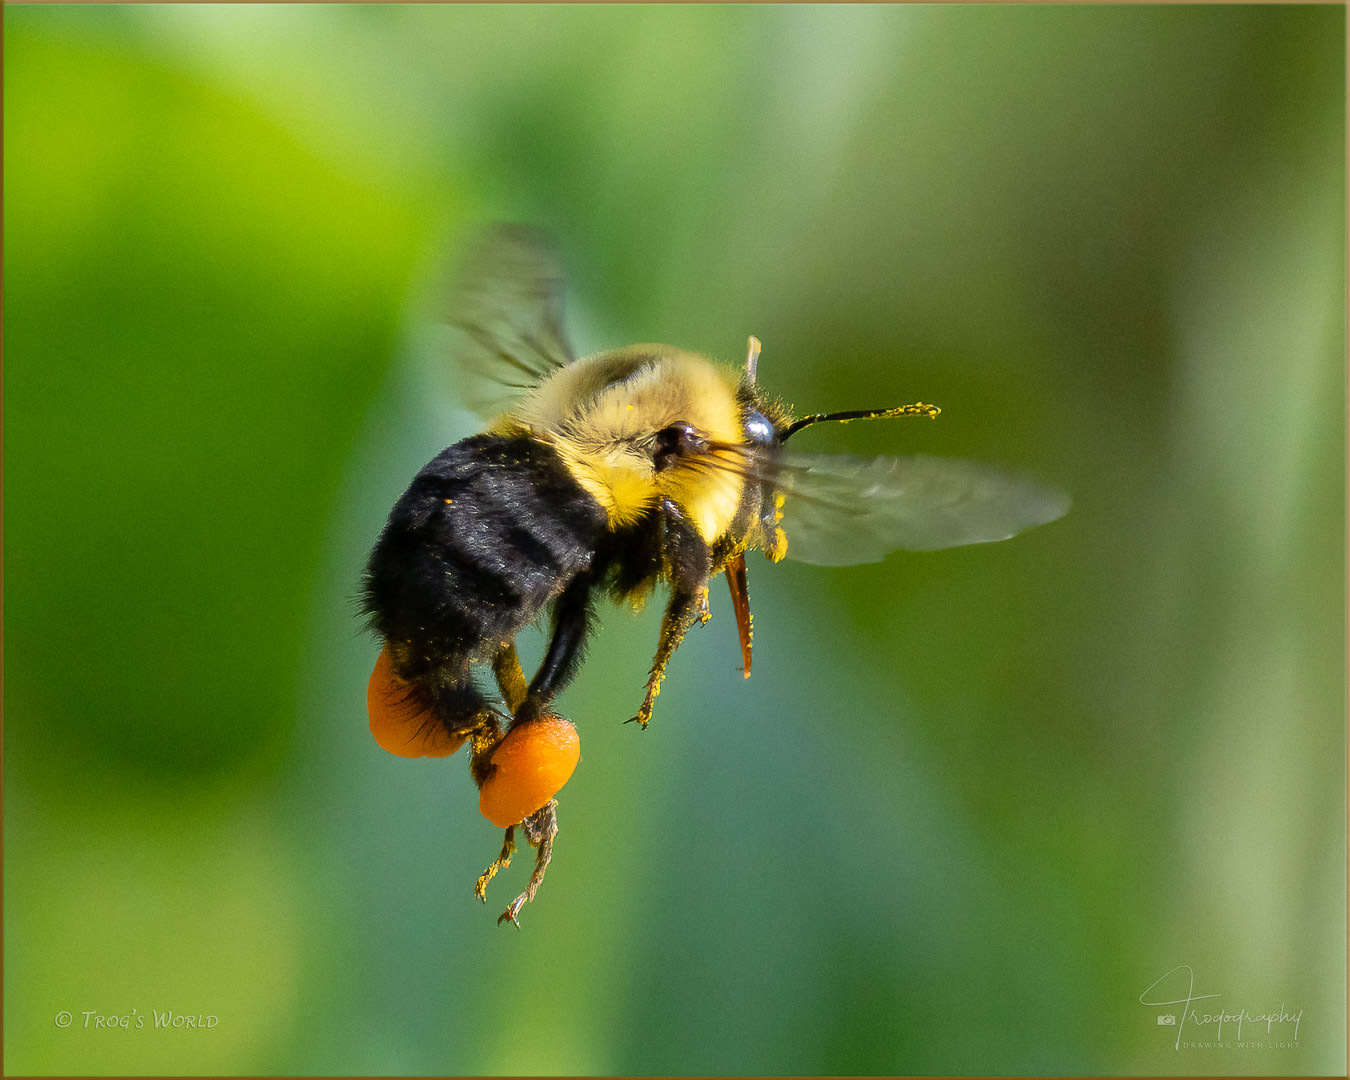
(511, 681)
(501, 862)
(510, 676)
(540, 829)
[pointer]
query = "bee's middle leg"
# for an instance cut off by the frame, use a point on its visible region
(573, 616)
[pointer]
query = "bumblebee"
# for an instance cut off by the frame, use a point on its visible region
(606, 477)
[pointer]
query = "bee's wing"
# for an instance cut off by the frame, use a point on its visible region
(838, 511)
(503, 317)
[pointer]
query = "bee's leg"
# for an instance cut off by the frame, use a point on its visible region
(572, 619)
(540, 829)
(441, 687)
(501, 862)
(704, 611)
(541, 826)
(689, 563)
(683, 609)
(437, 672)
(511, 682)
(510, 677)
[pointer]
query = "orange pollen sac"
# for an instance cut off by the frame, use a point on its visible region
(398, 725)
(532, 764)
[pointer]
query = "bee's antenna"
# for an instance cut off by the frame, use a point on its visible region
(752, 360)
(917, 409)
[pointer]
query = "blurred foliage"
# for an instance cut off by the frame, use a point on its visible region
(972, 804)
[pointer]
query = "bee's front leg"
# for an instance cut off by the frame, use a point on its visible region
(688, 564)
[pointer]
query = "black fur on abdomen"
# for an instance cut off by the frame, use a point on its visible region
(486, 536)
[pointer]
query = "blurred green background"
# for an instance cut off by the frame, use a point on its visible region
(971, 805)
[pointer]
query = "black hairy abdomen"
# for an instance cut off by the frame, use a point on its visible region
(485, 537)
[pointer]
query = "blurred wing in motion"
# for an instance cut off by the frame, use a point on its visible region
(839, 510)
(503, 317)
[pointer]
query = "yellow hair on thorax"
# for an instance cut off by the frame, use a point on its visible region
(602, 415)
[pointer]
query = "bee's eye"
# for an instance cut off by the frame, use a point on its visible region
(759, 430)
(676, 441)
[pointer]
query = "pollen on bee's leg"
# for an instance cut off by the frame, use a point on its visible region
(541, 828)
(527, 768)
(644, 714)
(400, 722)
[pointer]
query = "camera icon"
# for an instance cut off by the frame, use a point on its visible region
(1167, 1020)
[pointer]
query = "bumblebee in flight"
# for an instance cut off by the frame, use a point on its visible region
(607, 476)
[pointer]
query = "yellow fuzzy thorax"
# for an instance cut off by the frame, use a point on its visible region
(602, 414)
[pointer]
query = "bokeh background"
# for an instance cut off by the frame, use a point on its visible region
(971, 806)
